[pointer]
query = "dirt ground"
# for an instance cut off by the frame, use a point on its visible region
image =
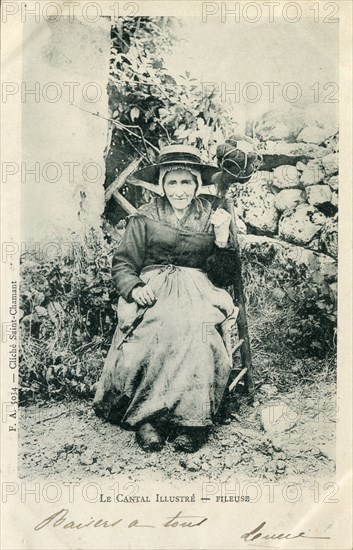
(67, 441)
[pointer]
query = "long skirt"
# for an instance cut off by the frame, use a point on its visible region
(176, 363)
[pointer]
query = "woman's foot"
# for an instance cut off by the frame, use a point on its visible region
(190, 440)
(148, 438)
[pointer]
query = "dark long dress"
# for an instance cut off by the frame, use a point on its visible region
(177, 363)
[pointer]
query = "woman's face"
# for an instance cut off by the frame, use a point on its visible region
(179, 187)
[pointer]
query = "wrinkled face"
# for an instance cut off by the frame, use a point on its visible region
(179, 187)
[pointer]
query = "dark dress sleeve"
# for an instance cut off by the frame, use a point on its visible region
(129, 257)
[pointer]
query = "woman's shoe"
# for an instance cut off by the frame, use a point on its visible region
(190, 440)
(148, 438)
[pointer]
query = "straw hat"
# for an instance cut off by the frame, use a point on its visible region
(185, 155)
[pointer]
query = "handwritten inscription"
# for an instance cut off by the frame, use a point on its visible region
(62, 519)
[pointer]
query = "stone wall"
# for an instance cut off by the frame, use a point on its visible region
(294, 197)
(66, 66)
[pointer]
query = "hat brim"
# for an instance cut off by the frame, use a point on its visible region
(150, 174)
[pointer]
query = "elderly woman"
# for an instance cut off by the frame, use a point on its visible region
(168, 378)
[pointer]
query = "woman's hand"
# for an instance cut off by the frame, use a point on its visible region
(143, 295)
(221, 220)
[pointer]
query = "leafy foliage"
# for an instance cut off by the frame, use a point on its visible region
(67, 320)
(151, 107)
(297, 304)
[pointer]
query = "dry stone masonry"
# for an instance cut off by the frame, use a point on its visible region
(290, 207)
(295, 196)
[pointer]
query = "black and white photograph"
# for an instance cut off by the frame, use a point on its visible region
(176, 220)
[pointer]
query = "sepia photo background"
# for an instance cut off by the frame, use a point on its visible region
(77, 88)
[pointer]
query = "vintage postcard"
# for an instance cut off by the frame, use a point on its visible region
(176, 290)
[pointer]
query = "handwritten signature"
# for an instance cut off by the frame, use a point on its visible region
(257, 534)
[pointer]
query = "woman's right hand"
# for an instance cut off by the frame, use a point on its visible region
(143, 295)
